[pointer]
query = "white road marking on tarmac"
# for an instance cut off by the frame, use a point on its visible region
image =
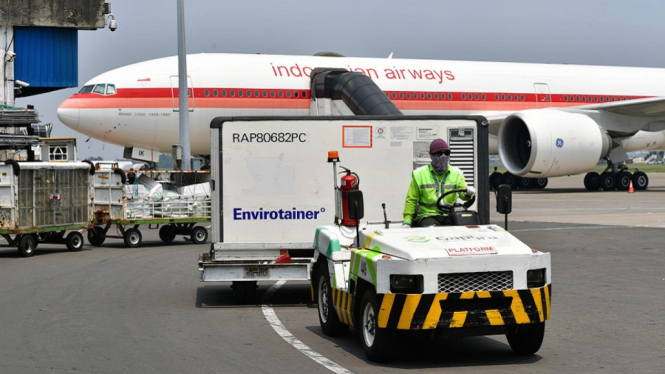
(279, 328)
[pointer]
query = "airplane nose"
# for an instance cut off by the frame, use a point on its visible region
(68, 113)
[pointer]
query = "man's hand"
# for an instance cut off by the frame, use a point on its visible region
(470, 191)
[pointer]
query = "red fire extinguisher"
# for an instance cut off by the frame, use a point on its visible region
(350, 182)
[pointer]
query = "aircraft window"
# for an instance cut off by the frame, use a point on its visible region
(595, 99)
(584, 99)
(223, 93)
(239, 93)
(288, 93)
(281, 94)
(401, 95)
(602, 99)
(463, 96)
(110, 89)
(429, 96)
(577, 98)
(522, 97)
(408, 95)
(256, 93)
(450, 96)
(304, 94)
(510, 98)
(99, 89)
(248, 93)
(393, 95)
(265, 93)
(272, 93)
(233, 93)
(295, 94)
(215, 93)
(483, 96)
(206, 92)
(503, 97)
(422, 95)
(477, 96)
(436, 96)
(86, 89)
(496, 97)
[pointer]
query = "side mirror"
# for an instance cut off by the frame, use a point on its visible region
(355, 205)
(504, 199)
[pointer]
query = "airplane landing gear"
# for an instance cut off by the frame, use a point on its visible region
(516, 182)
(616, 177)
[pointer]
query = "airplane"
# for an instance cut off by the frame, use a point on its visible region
(545, 120)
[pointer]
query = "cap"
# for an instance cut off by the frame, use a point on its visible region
(438, 145)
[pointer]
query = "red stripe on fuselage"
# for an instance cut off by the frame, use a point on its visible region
(299, 99)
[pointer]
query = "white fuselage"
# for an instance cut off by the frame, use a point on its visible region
(142, 109)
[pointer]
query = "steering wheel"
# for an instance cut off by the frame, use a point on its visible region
(446, 208)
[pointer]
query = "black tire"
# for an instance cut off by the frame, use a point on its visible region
(27, 245)
(74, 241)
(133, 238)
(623, 179)
(377, 342)
(640, 180)
(528, 339)
(592, 181)
(525, 183)
(509, 179)
(167, 233)
(328, 319)
(495, 180)
(199, 234)
(96, 237)
(607, 181)
(243, 291)
(540, 183)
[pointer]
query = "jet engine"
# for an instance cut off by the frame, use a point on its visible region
(543, 143)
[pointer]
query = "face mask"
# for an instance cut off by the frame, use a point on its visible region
(440, 164)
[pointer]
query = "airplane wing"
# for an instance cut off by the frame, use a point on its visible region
(645, 108)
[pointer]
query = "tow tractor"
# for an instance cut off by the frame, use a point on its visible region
(462, 279)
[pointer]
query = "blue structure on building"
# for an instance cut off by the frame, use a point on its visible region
(49, 58)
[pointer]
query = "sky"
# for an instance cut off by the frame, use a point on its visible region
(587, 32)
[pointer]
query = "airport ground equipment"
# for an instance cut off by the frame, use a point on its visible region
(43, 202)
(174, 202)
(270, 191)
(463, 279)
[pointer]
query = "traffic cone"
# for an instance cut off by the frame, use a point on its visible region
(631, 189)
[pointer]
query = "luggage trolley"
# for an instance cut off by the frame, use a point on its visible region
(44, 202)
(174, 206)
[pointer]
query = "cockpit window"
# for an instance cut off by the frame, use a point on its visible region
(101, 88)
(86, 89)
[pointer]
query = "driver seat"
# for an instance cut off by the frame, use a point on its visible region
(464, 218)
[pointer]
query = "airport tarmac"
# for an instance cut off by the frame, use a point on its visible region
(113, 309)
(565, 200)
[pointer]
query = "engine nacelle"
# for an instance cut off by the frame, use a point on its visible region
(544, 143)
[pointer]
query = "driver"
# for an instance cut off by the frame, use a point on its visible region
(428, 183)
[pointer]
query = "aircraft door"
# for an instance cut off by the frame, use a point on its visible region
(543, 97)
(176, 98)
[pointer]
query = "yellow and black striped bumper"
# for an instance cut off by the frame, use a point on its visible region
(468, 309)
(454, 310)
